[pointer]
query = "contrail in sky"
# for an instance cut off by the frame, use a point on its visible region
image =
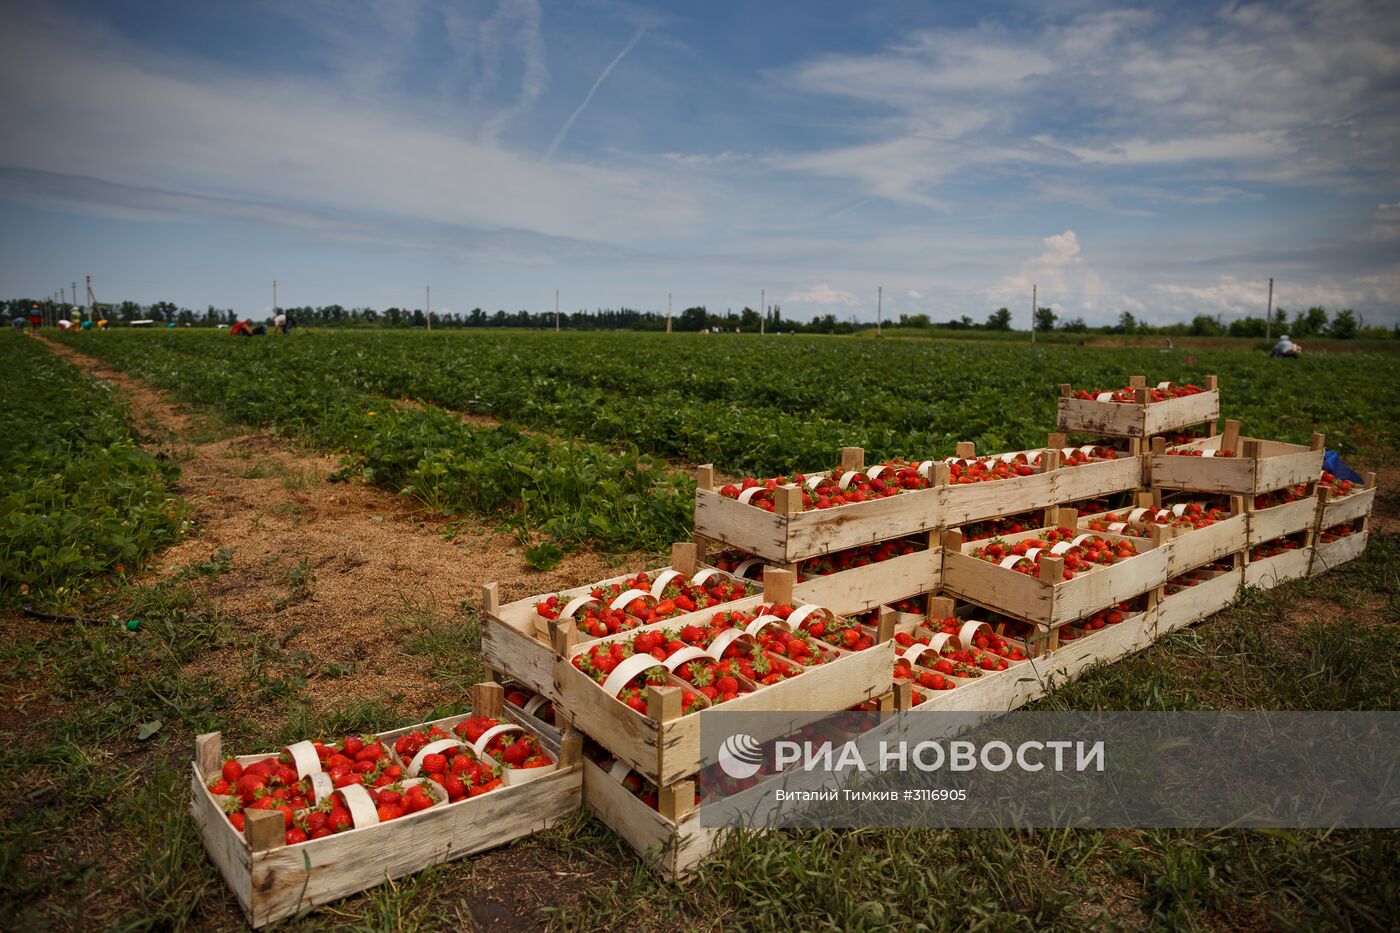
(569, 123)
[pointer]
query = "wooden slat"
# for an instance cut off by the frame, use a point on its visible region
(1271, 571)
(860, 588)
(1195, 603)
(1280, 520)
(1332, 554)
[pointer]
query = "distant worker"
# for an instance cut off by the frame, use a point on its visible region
(280, 322)
(87, 325)
(36, 319)
(241, 329)
(64, 324)
(1286, 349)
(18, 322)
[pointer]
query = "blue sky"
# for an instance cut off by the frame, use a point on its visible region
(1165, 160)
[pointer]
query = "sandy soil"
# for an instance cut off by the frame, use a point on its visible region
(348, 567)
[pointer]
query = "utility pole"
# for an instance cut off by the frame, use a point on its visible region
(668, 312)
(75, 293)
(1034, 307)
(88, 280)
(556, 310)
(428, 303)
(274, 297)
(879, 307)
(1269, 315)
(762, 311)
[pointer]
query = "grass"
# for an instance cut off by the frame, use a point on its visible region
(139, 863)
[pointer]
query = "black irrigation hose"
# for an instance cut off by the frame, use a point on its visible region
(29, 610)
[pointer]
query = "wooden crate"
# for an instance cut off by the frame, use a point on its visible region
(1259, 466)
(272, 881)
(1188, 548)
(1337, 510)
(1195, 603)
(671, 843)
(1268, 572)
(1021, 683)
(1353, 509)
(1137, 419)
(1048, 599)
(789, 535)
(663, 746)
(1280, 521)
(517, 642)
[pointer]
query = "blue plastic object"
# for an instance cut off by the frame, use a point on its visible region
(1332, 463)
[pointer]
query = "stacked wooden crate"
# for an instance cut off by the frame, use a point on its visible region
(937, 625)
(644, 782)
(1276, 481)
(1343, 523)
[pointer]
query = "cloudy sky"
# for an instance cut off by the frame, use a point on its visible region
(1165, 161)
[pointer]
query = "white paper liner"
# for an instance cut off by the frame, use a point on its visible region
(688, 653)
(746, 495)
(743, 569)
(575, 604)
(363, 812)
(304, 757)
(800, 614)
(432, 748)
(663, 580)
(627, 596)
(626, 670)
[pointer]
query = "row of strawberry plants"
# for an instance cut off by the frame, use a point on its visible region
(572, 493)
(769, 406)
(81, 496)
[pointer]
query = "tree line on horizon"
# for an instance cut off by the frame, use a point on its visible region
(1343, 324)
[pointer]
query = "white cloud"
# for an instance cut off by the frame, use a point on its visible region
(826, 296)
(159, 122)
(1307, 94)
(1385, 224)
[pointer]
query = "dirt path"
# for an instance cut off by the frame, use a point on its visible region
(350, 570)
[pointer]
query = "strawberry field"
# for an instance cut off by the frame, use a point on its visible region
(201, 566)
(587, 417)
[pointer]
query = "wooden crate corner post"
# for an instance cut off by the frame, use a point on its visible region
(208, 754)
(852, 458)
(488, 699)
(885, 629)
(685, 557)
(705, 477)
(777, 585)
(265, 829)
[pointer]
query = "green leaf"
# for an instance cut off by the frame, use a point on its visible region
(148, 729)
(544, 556)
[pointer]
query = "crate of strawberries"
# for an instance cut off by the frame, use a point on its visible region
(643, 693)
(1053, 575)
(517, 638)
(1203, 530)
(1137, 410)
(321, 819)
